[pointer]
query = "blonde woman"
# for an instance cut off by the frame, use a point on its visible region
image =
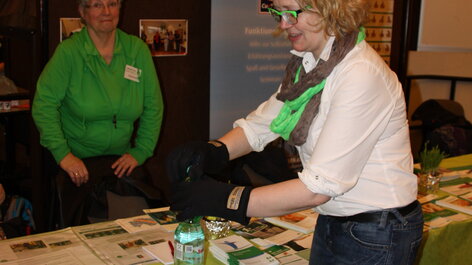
(344, 110)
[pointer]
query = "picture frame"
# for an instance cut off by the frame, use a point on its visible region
(165, 37)
(69, 26)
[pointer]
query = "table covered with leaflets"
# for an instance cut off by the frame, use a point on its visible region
(148, 239)
(447, 237)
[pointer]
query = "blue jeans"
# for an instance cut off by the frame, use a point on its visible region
(390, 241)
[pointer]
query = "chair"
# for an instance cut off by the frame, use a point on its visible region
(107, 197)
(452, 79)
(430, 112)
(444, 125)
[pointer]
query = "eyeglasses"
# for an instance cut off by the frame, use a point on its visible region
(99, 6)
(289, 16)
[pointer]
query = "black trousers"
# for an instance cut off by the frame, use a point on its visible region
(76, 204)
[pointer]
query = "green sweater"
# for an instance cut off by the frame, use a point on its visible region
(85, 106)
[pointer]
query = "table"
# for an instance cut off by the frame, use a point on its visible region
(113, 245)
(457, 163)
(450, 244)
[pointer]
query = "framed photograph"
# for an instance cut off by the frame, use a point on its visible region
(69, 26)
(165, 37)
(264, 5)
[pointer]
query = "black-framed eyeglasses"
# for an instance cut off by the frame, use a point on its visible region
(289, 16)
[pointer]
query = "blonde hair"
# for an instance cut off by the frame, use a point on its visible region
(339, 17)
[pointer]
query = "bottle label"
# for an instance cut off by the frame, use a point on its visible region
(189, 253)
(179, 251)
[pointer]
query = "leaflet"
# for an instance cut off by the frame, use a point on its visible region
(116, 246)
(63, 244)
(138, 223)
(266, 234)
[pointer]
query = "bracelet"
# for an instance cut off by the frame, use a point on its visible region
(216, 143)
(234, 198)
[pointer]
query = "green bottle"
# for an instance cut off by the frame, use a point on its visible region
(189, 242)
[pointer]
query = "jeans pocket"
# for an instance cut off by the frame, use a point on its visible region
(369, 235)
(361, 243)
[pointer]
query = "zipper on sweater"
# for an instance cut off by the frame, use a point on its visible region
(114, 120)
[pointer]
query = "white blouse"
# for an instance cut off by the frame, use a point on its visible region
(358, 148)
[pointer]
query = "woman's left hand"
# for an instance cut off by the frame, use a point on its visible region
(124, 165)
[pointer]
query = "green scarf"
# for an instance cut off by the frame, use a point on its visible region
(301, 93)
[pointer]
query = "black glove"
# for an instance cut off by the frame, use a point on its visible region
(208, 197)
(209, 158)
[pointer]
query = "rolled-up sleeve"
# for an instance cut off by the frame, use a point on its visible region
(256, 125)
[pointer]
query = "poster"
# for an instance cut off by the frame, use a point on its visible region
(248, 59)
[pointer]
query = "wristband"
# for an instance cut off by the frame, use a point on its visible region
(234, 198)
(216, 143)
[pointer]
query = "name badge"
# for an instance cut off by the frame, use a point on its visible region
(132, 73)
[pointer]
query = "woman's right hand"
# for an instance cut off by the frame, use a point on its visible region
(76, 169)
(210, 157)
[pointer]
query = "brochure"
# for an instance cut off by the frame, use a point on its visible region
(286, 255)
(457, 204)
(437, 216)
(457, 186)
(301, 243)
(162, 251)
(303, 221)
(265, 234)
(165, 217)
(448, 175)
(236, 249)
(467, 196)
(137, 223)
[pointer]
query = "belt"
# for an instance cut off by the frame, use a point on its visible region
(373, 217)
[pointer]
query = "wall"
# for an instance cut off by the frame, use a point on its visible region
(444, 48)
(247, 61)
(440, 63)
(20, 25)
(444, 26)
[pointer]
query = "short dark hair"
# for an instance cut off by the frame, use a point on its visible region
(83, 2)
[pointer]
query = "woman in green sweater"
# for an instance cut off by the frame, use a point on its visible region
(96, 85)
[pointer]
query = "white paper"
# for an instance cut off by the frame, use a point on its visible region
(23, 248)
(116, 246)
(161, 252)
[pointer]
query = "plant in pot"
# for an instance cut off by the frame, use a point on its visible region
(430, 174)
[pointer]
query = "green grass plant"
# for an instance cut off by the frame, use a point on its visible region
(431, 158)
